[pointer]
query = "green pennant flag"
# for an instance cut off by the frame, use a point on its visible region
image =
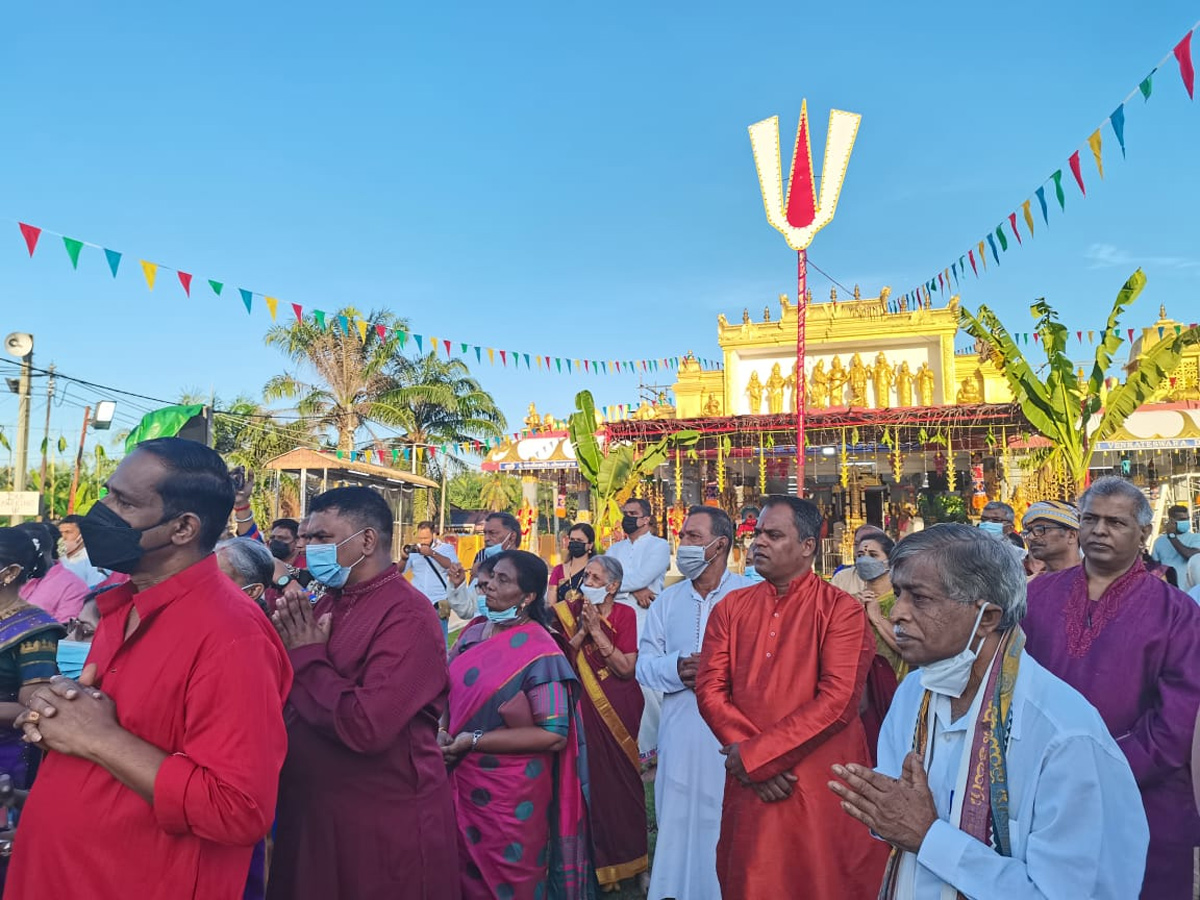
(1058, 190)
(217, 286)
(73, 247)
(1147, 84)
(558, 363)
(1003, 239)
(319, 315)
(403, 338)
(165, 422)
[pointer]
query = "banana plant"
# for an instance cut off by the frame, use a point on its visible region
(615, 470)
(1062, 407)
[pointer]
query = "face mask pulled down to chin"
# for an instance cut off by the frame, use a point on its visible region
(949, 677)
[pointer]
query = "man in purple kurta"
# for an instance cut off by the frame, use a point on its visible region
(365, 809)
(1130, 643)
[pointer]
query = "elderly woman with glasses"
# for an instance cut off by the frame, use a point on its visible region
(250, 565)
(600, 638)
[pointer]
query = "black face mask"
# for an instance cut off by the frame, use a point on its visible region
(280, 549)
(111, 542)
(629, 524)
(576, 549)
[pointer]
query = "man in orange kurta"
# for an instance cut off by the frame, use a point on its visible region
(781, 675)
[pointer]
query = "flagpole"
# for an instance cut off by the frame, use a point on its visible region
(801, 380)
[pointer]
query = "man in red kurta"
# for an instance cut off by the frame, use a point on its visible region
(164, 758)
(781, 675)
(365, 808)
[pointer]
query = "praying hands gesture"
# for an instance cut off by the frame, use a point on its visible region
(67, 716)
(293, 619)
(899, 810)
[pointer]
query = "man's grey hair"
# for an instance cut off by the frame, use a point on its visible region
(719, 522)
(250, 559)
(972, 567)
(1112, 486)
(613, 573)
(1002, 509)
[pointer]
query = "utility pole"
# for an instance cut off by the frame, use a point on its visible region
(87, 419)
(47, 496)
(21, 344)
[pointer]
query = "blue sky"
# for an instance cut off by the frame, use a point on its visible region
(556, 178)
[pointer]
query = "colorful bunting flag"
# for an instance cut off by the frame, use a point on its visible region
(31, 233)
(1094, 143)
(271, 304)
(73, 247)
(974, 268)
(319, 315)
(1003, 240)
(1012, 220)
(363, 325)
(1183, 53)
(185, 279)
(114, 260)
(1073, 162)
(150, 270)
(1041, 195)
(247, 297)
(299, 312)
(216, 286)
(995, 255)
(983, 255)
(1058, 190)
(1147, 84)
(1117, 120)
(1028, 217)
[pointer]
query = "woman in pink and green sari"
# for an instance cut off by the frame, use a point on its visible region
(516, 749)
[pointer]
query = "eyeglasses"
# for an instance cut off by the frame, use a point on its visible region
(1040, 530)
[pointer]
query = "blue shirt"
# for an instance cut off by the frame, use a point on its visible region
(1164, 552)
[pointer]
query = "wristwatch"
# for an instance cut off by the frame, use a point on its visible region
(282, 582)
(475, 736)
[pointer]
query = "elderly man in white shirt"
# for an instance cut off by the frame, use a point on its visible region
(996, 780)
(644, 558)
(690, 783)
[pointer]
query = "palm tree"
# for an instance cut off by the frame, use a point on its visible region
(500, 492)
(1075, 413)
(350, 368)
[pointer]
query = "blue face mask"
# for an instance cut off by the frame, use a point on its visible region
(995, 529)
(322, 562)
(482, 602)
(1183, 527)
(504, 615)
(489, 552)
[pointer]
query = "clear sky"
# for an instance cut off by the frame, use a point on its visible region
(562, 179)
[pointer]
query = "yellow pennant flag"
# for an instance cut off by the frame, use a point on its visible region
(1094, 143)
(271, 302)
(491, 355)
(362, 329)
(1028, 217)
(982, 256)
(434, 342)
(150, 270)
(539, 359)
(1091, 337)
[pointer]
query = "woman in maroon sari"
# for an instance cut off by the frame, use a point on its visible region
(519, 773)
(600, 638)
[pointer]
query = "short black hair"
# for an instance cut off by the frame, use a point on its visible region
(365, 507)
(804, 512)
(197, 482)
(427, 524)
(70, 519)
(288, 525)
(1178, 507)
(720, 524)
(532, 577)
(17, 546)
(509, 521)
(644, 504)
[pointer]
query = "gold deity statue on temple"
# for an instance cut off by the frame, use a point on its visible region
(818, 386)
(713, 406)
(775, 385)
(754, 390)
(883, 376)
(904, 385)
(858, 375)
(837, 383)
(925, 381)
(533, 422)
(968, 392)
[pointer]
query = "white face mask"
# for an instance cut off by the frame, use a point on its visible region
(949, 677)
(596, 595)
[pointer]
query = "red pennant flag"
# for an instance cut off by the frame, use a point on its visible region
(1012, 220)
(974, 268)
(31, 234)
(941, 283)
(1183, 53)
(1073, 159)
(503, 357)
(1131, 334)
(299, 311)
(381, 330)
(447, 346)
(1079, 334)
(382, 458)
(585, 365)
(1035, 337)
(186, 280)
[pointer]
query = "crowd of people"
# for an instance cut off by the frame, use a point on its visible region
(967, 712)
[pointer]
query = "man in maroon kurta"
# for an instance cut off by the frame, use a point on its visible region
(164, 758)
(781, 676)
(365, 809)
(1130, 643)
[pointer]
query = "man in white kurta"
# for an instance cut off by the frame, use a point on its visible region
(1074, 825)
(644, 559)
(690, 783)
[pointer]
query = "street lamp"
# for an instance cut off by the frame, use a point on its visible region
(102, 421)
(20, 345)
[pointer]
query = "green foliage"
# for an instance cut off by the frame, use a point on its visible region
(1061, 406)
(493, 491)
(943, 508)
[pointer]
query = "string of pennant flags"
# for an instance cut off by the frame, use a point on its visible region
(32, 235)
(1007, 235)
(1091, 334)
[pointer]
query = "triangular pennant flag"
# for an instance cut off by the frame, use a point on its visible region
(1094, 142)
(185, 279)
(363, 325)
(217, 286)
(1076, 170)
(585, 365)
(568, 367)
(247, 296)
(420, 343)
(547, 363)
(1003, 240)
(433, 345)
(319, 315)
(1028, 217)
(941, 283)
(31, 233)
(605, 365)
(1058, 189)
(1178, 329)
(114, 260)
(381, 330)
(954, 273)
(992, 244)
(342, 324)
(403, 338)
(478, 354)
(1117, 120)
(1130, 333)
(1079, 334)
(558, 363)
(491, 356)
(1091, 336)
(1035, 337)
(73, 247)
(272, 303)
(1012, 220)
(527, 362)
(1147, 84)
(974, 268)
(446, 344)
(150, 270)
(464, 349)
(1041, 195)
(539, 362)
(504, 357)
(298, 310)
(1183, 53)
(983, 255)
